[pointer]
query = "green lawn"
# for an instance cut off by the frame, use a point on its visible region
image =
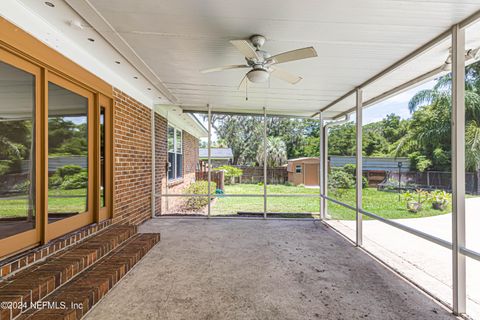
(382, 203)
(385, 204)
(58, 201)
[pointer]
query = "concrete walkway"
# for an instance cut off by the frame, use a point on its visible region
(256, 269)
(427, 264)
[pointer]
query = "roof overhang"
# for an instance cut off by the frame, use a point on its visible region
(182, 120)
(383, 47)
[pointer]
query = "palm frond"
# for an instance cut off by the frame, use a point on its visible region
(421, 98)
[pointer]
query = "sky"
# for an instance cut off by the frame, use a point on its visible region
(397, 104)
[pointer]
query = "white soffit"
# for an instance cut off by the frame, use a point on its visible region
(355, 40)
(53, 26)
(184, 121)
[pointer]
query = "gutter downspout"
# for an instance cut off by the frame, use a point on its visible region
(324, 177)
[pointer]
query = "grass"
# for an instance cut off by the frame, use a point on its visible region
(58, 201)
(382, 203)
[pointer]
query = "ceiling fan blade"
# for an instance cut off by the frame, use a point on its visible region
(285, 75)
(233, 66)
(243, 84)
(293, 55)
(245, 48)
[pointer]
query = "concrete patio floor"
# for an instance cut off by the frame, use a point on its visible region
(256, 269)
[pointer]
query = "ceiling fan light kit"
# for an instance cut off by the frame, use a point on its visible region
(262, 63)
(258, 75)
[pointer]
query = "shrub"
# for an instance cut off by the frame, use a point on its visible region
(350, 168)
(5, 166)
(198, 187)
(440, 199)
(76, 181)
(55, 181)
(339, 181)
(230, 172)
(23, 186)
(416, 199)
(68, 170)
(288, 184)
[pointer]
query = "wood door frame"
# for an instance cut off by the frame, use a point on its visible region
(61, 227)
(31, 237)
(106, 211)
(28, 53)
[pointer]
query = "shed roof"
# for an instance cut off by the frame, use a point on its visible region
(216, 153)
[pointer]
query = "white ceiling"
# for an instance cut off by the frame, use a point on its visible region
(354, 39)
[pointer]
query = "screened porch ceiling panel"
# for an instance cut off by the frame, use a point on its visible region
(354, 40)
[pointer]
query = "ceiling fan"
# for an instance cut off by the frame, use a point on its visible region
(262, 64)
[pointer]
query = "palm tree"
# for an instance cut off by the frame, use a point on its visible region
(276, 152)
(436, 104)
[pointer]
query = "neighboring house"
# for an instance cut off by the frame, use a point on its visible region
(372, 163)
(218, 157)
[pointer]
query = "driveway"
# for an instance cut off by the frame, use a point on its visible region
(426, 263)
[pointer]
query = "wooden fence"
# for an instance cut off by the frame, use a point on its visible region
(216, 176)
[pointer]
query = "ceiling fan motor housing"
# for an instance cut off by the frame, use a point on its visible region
(257, 40)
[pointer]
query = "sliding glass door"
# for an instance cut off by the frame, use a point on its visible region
(70, 156)
(19, 153)
(55, 154)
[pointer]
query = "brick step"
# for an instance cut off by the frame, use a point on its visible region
(78, 296)
(37, 281)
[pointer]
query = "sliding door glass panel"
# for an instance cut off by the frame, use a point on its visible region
(17, 151)
(67, 153)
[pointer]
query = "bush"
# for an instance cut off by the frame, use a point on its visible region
(198, 187)
(230, 172)
(364, 182)
(350, 168)
(76, 181)
(23, 186)
(5, 166)
(339, 181)
(68, 170)
(55, 181)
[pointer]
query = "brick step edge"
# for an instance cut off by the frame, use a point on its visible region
(31, 285)
(81, 294)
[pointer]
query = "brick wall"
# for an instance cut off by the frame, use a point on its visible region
(190, 159)
(132, 159)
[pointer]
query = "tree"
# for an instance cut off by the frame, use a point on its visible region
(342, 140)
(276, 152)
(431, 121)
